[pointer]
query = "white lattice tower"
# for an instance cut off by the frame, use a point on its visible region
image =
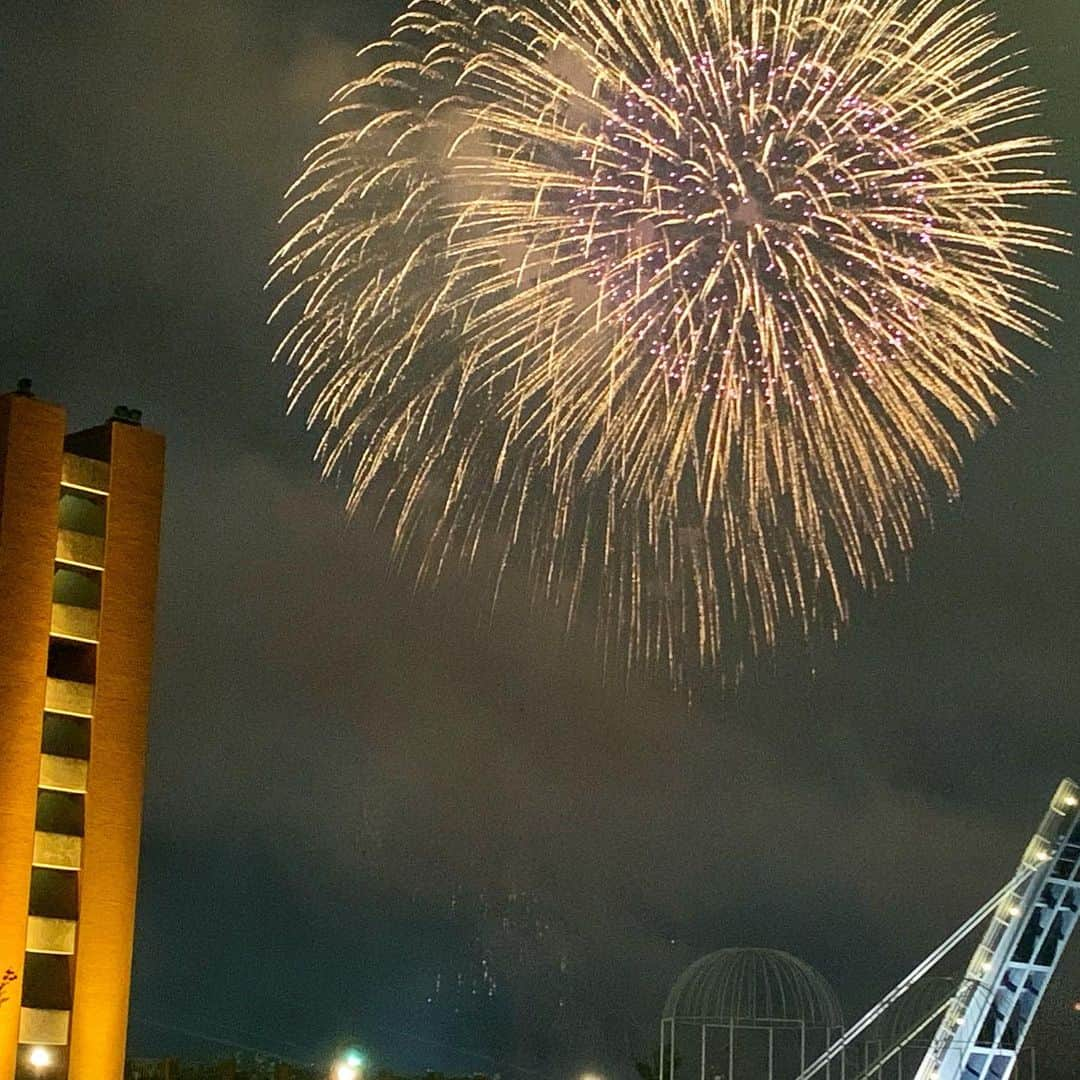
(984, 1026)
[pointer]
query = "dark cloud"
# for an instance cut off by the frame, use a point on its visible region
(356, 790)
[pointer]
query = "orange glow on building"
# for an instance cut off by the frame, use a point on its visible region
(79, 524)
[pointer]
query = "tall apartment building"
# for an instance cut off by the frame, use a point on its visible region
(79, 522)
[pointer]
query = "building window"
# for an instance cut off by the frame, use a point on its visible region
(66, 736)
(76, 587)
(54, 894)
(47, 981)
(72, 660)
(83, 513)
(59, 812)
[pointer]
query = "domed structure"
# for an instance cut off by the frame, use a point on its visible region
(753, 984)
(755, 1014)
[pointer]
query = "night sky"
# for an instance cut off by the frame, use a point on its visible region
(358, 794)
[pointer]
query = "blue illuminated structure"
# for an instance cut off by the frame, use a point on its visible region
(983, 1024)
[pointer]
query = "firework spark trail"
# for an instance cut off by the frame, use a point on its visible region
(688, 304)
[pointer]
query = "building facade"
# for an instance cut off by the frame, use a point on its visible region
(79, 526)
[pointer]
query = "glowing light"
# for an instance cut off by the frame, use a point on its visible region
(41, 1057)
(350, 1065)
(688, 313)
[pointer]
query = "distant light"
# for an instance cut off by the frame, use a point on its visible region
(1014, 910)
(40, 1057)
(1076, 1006)
(590, 1076)
(1070, 800)
(349, 1065)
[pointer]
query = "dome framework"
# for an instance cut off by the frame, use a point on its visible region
(747, 1014)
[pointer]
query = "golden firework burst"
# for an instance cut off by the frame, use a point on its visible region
(688, 305)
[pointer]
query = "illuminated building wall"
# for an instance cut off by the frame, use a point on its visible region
(79, 522)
